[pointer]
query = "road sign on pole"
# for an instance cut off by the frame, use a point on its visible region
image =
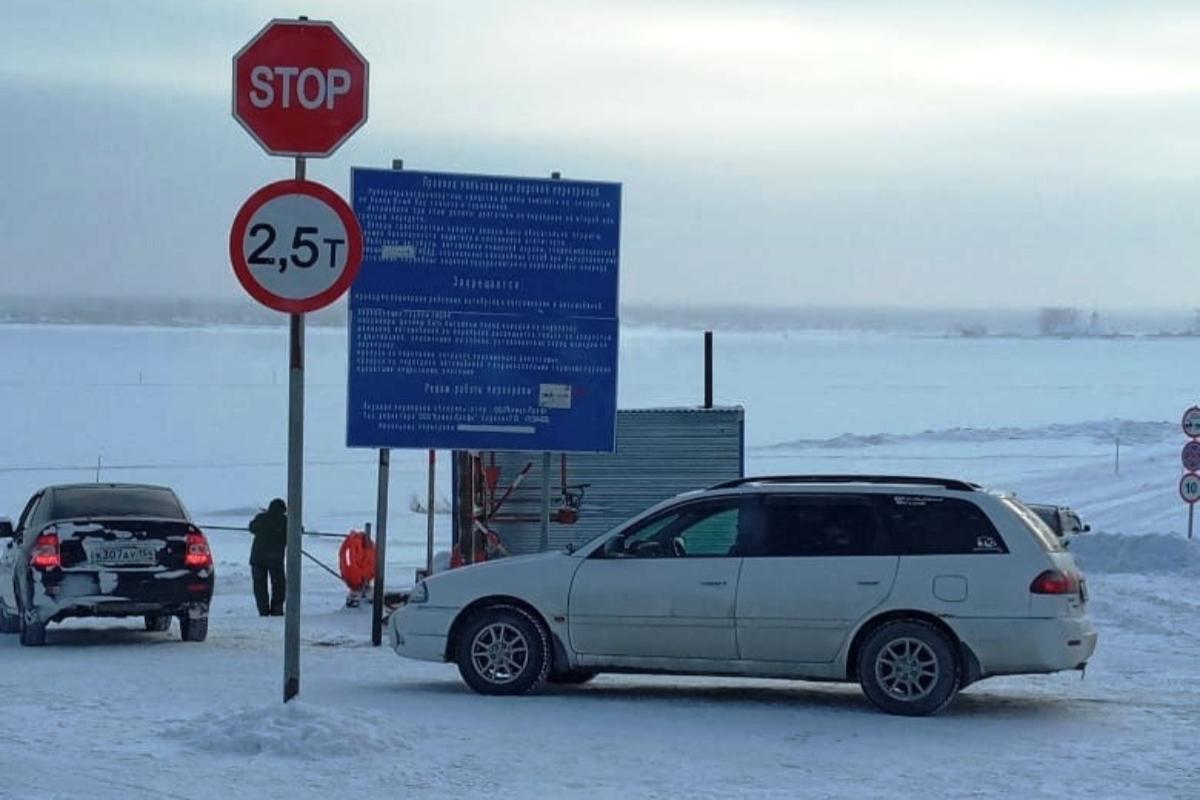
(1189, 487)
(1189, 490)
(485, 315)
(1191, 456)
(300, 88)
(295, 246)
(1191, 422)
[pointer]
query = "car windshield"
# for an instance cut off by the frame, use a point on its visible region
(115, 501)
(1034, 523)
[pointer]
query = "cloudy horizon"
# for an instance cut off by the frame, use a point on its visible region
(1009, 155)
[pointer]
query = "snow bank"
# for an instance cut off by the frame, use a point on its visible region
(1152, 553)
(292, 730)
(1099, 431)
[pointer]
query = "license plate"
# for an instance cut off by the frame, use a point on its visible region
(118, 554)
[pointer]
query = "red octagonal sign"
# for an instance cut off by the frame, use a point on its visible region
(300, 88)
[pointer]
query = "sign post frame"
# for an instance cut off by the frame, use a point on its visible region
(295, 491)
(1189, 491)
(318, 67)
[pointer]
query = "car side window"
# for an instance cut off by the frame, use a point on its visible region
(928, 525)
(819, 525)
(697, 530)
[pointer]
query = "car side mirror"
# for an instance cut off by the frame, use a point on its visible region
(1085, 529)
(6, 528)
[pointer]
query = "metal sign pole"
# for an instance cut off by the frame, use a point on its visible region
(708, 369)
(1191, 514)
(295, 502)
(381, 512)
(544, 541)
(429, 514)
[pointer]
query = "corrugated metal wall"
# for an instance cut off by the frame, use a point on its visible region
(660, 453)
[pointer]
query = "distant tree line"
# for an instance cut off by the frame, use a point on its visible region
(151, 311)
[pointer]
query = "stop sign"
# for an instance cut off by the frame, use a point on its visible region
(300, 88)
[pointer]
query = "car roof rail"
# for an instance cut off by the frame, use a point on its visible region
(906, 480)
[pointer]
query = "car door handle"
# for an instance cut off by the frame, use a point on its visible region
(712, 583)
(868, 583)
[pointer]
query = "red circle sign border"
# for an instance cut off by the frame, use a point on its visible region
(1185, 477)
(1190, 449)
(354, 246)
(1183, 420)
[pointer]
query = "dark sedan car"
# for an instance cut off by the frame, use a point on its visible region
(104, 550)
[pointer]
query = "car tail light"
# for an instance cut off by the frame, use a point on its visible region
(198, 553)
(45, 553)
(1055, 581)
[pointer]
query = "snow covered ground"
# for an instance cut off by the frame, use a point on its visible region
(107, 710)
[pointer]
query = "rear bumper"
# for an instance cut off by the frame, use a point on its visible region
(59, 594)
(1024, 646)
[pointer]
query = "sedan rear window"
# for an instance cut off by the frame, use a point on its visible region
(113, 501)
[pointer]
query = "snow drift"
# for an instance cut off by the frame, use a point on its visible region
(292, 730)
(1151, 553)
(1096, 432)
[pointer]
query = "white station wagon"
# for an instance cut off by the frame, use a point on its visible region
(913, 587)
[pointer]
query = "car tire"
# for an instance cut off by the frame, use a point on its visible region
(503, 650)
(571, 677)
(908, 667)
(9, 622)
(158, 623)
(33, 634)
(192, 629)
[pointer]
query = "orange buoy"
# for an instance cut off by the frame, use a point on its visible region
(356, 560)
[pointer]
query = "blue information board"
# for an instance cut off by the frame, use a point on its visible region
(484, 316)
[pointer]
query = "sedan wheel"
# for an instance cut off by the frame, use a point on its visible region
(503, 650)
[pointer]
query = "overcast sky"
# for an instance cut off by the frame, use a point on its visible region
(868, 153)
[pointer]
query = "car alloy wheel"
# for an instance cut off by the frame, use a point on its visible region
(907, 669)
(499, 653)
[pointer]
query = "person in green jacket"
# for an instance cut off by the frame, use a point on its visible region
(266, 558)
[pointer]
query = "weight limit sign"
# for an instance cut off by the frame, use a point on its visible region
(295, 246)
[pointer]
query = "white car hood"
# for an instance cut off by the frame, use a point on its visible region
(527, 577)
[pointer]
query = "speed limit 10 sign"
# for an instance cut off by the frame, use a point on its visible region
(1189, 487)
(295, 246)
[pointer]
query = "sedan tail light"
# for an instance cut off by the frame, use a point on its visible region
(1055, 581)
(45, 553)
(198, 554)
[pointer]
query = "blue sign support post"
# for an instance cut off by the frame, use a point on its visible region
(484, 316)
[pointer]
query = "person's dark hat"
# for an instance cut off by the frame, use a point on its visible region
(277, 505)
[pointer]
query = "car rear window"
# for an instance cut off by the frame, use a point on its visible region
(1040, 530)
(927, 525)
(110, 501)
